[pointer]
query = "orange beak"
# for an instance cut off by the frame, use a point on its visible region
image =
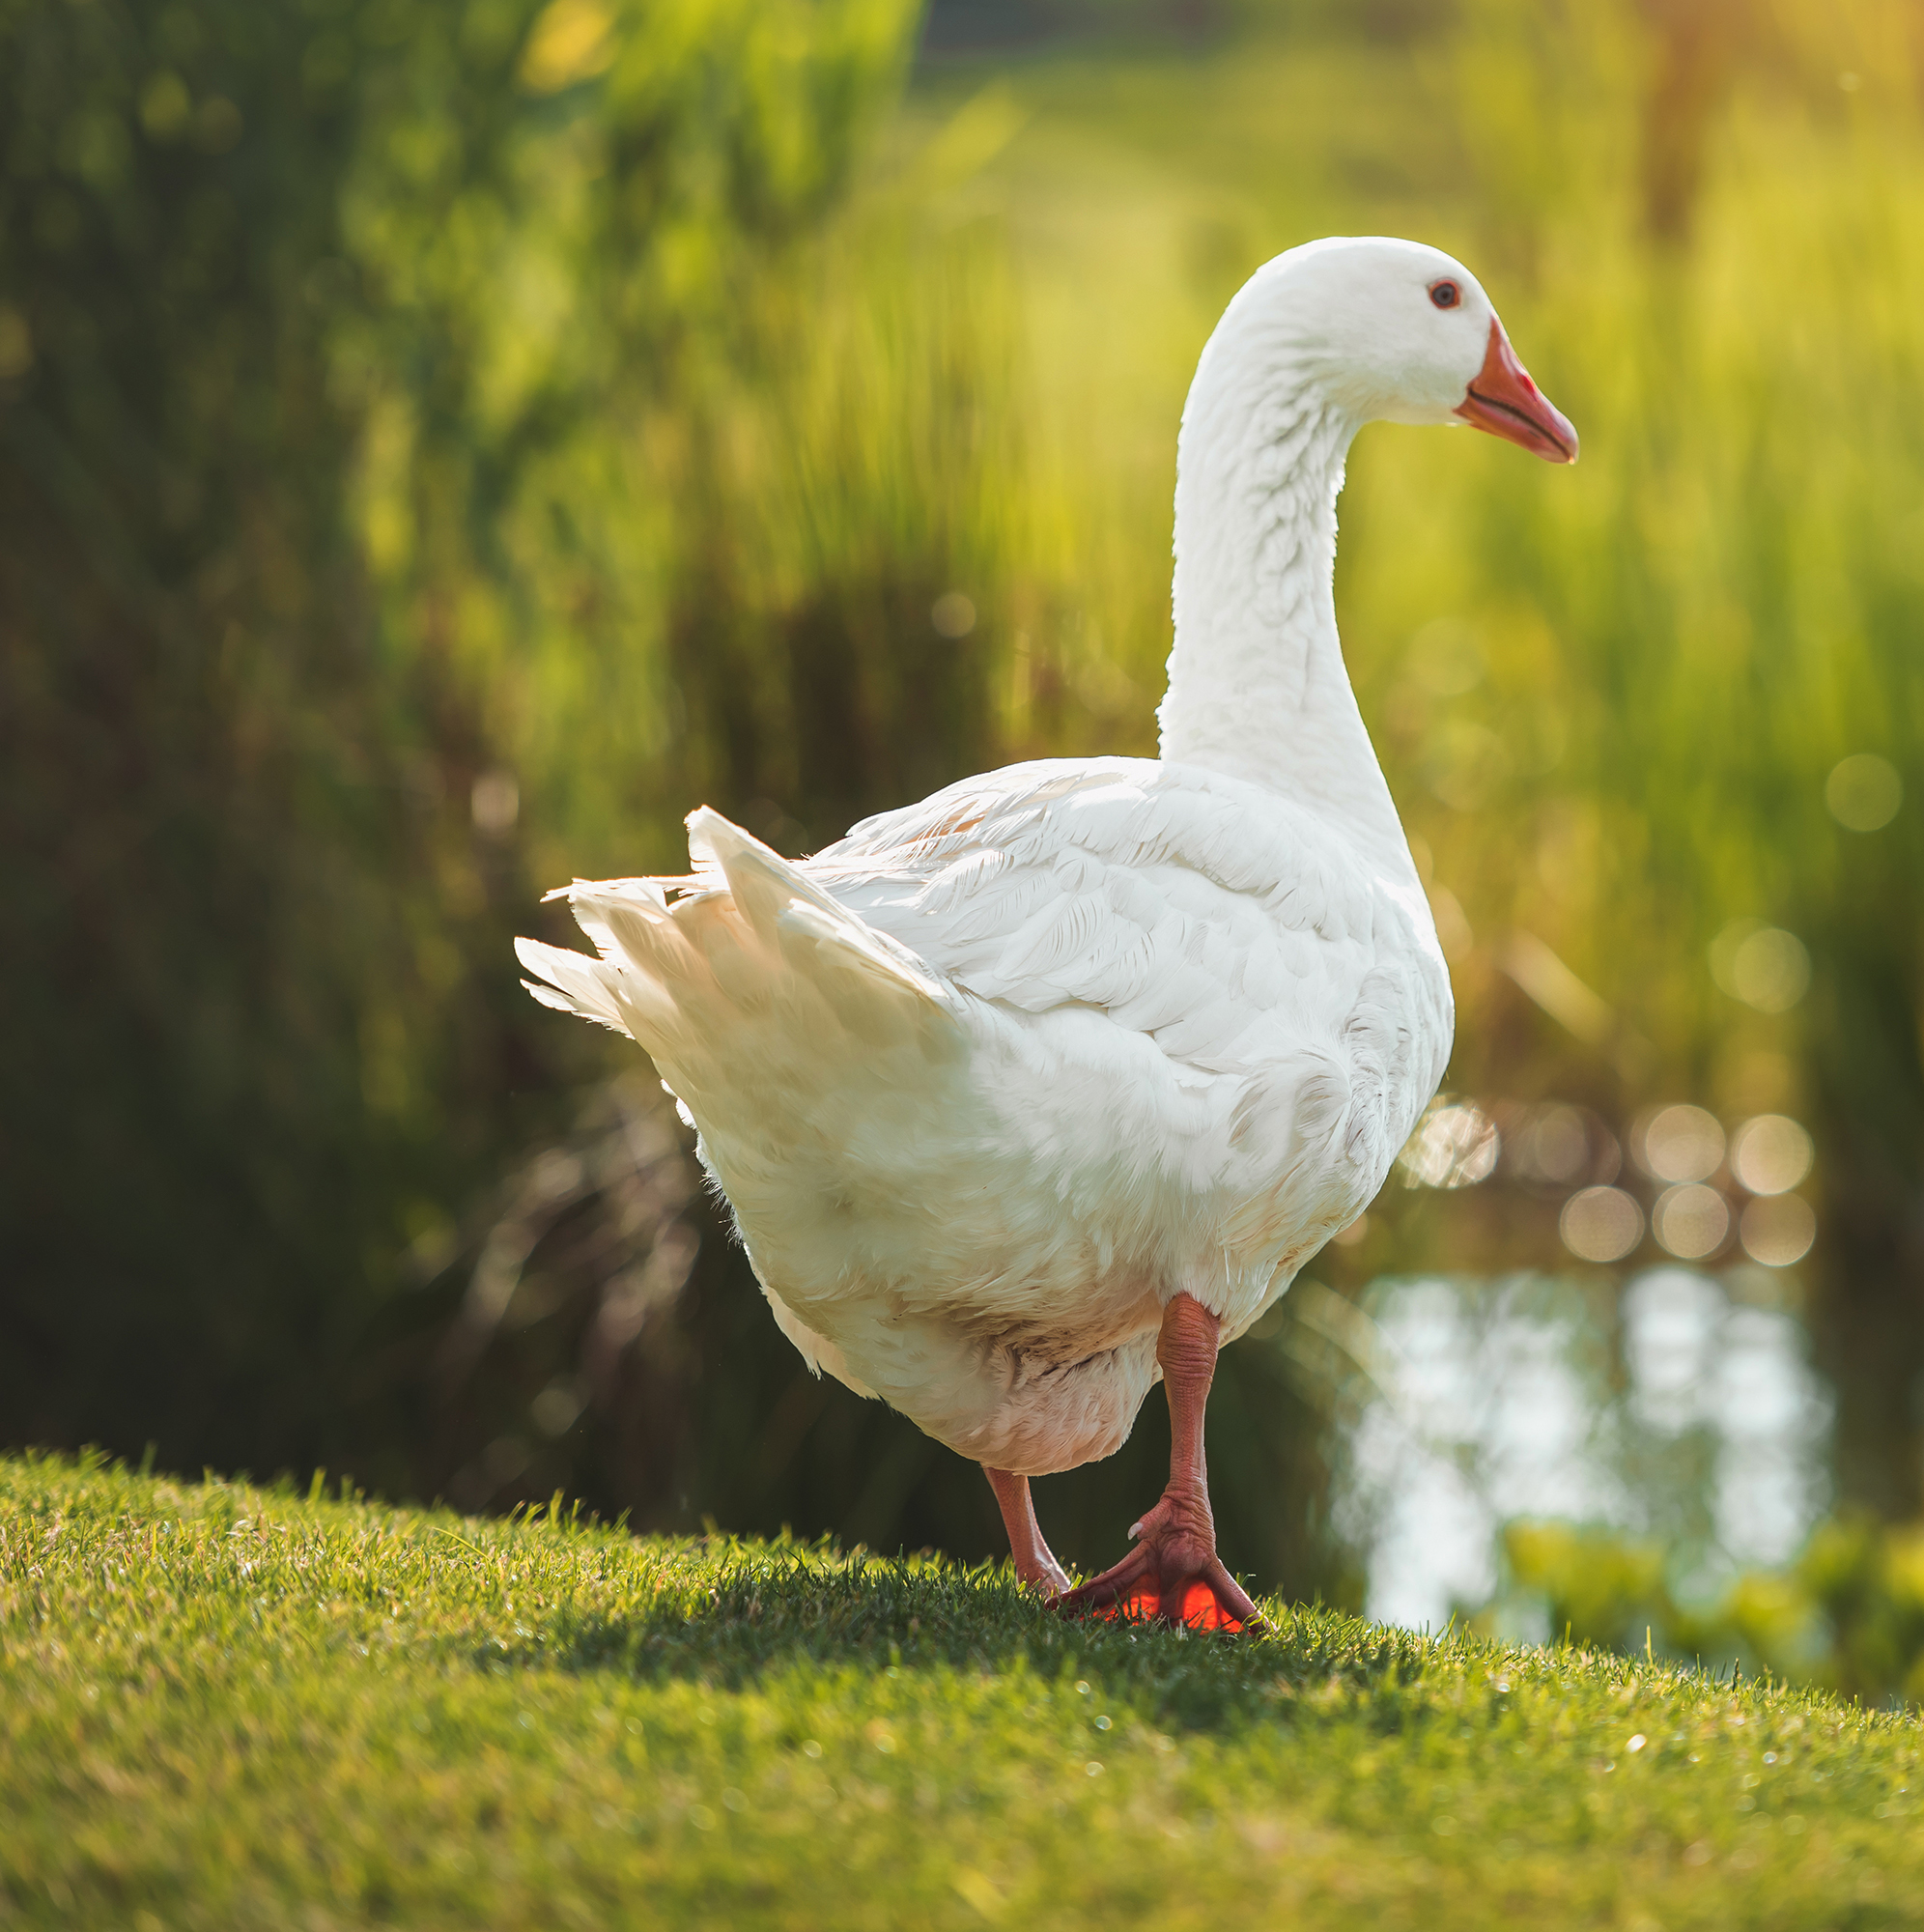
(1503, 400)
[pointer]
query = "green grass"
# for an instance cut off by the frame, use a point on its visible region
(227, 1706)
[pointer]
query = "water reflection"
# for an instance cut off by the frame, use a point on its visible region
(1686, 1412)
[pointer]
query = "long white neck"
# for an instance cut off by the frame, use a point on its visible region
(1256, 683)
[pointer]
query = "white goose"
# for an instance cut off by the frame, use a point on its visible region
(1049, 1084)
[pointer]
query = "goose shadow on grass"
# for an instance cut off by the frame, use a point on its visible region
(763, 1610)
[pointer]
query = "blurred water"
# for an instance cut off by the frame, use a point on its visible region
(1685, 1411)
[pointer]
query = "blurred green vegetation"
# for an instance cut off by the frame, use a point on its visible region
(1849, 1614)
(439, 444)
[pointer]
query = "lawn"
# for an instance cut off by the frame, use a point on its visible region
(231, 1705)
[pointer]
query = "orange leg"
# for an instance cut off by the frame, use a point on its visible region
(1033, 1562)
(1174, 1572)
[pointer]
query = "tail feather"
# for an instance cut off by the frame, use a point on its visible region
(648, 895)
(571, 982)
(808, 1048)
(752, 937)
(783, 904)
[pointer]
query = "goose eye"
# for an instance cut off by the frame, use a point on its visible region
(1445, 294)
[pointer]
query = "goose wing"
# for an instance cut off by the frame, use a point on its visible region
(1225, 922)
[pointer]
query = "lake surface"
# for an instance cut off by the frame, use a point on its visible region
(1683, 1410)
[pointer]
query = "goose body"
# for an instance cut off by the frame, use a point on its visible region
(1000, 1079)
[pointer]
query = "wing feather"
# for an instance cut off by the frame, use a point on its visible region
(1220, 919)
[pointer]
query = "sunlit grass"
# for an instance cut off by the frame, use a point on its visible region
(226, 1706)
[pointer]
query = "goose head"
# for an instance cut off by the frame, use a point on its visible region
(1396, 331)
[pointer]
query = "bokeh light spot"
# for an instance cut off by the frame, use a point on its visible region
(1600, 1223)
(1692, 1221)
(1777, 1229)
(1679, 1144)
(1560, 1145)
(571, 41)
(1771, 1155)
(165, 107)
(494, 803)
(1455, 1145)
(952, 614)
(1762, 965)
(1863, 792)
(1557, 1145)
